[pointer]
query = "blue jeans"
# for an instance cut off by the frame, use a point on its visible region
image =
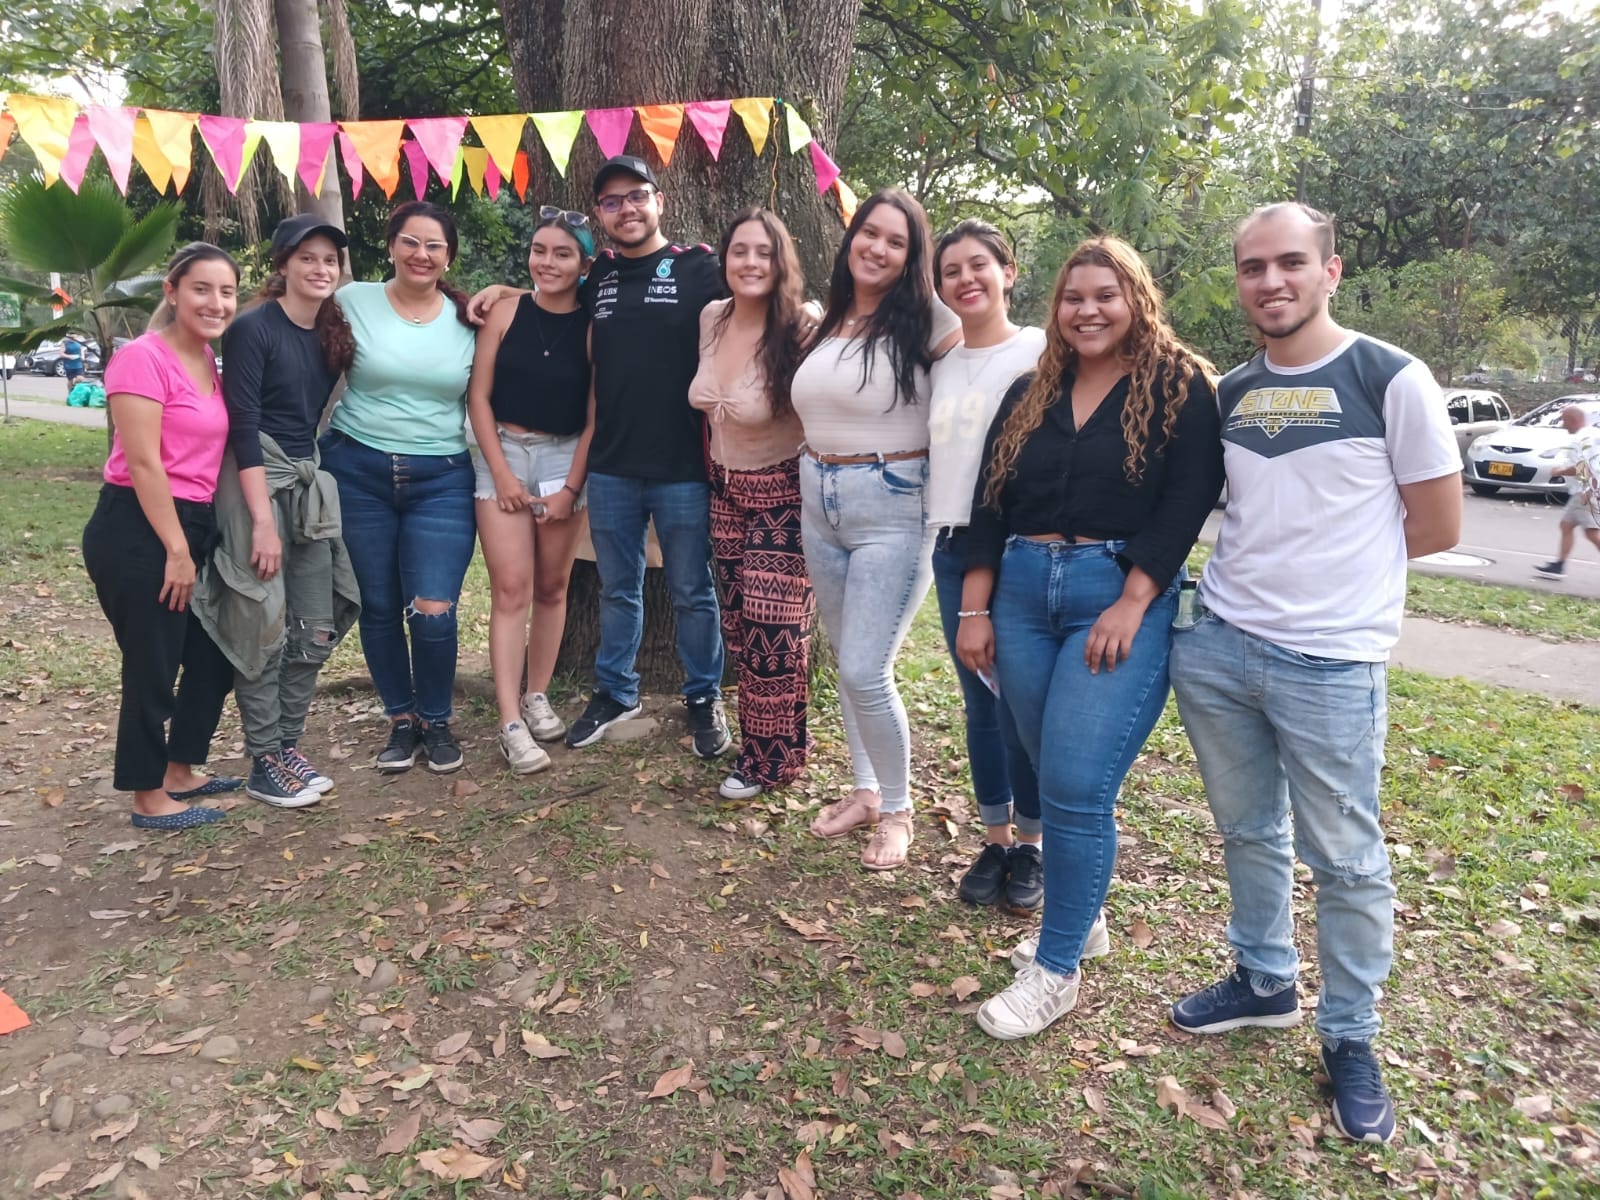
(619, 512)
(1276, 733)
(867, 546)
(1081, 730)
(409, 529)
(1003, 781)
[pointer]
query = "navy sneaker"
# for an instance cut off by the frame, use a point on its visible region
(986, 877)
(1025, 884)
(1362, 1110)
(709, 726)
(1232, 1003)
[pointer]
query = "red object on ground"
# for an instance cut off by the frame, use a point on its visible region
(12, 1018)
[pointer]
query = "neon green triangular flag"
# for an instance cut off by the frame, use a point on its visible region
(456, 173)
(558, 130)
(799, 131)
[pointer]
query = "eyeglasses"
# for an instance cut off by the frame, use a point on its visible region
(638, 198)
(576, 220)
(411, 245)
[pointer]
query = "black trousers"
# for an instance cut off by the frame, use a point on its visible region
(127, 563)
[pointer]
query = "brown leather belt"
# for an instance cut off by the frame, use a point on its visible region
(860, 460)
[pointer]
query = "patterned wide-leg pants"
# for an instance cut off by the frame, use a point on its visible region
(767, 613)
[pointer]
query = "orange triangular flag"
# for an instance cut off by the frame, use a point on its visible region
(661, 123)
(756, 113)
(519, 175)
(847, 200)
(378, 145)
(12, 1018)
(8, 126)
(147, 153)
(500, 137)
(174, 138)
(45, 123)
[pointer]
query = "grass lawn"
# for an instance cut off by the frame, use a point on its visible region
(603, 981)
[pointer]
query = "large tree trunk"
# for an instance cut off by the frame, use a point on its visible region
(303, 65)
(568, 54)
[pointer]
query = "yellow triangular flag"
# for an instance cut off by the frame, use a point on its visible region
(148, 154)
(45, 123)
(501, 136)
(799, 131)
(558, 130)
(756, 113)
(283, 139)
(476, 160)
(174, 135)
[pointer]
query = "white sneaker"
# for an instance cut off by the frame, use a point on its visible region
(737, 787)
(541, 718)
(1098, 945)
(1035, 998)
(524, 754)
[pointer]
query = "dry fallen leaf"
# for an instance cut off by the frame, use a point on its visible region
(1095, 1099)
(1170, 1094)
(1533, 1107)
(453, 1044)
(923, 990)
(365, 966)
(538, 1046)
(812, 931)
(399, 1138)
(148, 1157)
(894, 1045)
(455, 1163)
(1140, 934)
(462, 789)
(328, 1119)
(51, 1175)
(672, 1080)
(964, 987)
(103, 1178)
(800, 1181)
(718, 1174)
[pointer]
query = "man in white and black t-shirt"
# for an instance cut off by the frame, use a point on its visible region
(1341, 465)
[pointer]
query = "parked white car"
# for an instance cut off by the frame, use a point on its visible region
(1473, 413)
(1521, 455)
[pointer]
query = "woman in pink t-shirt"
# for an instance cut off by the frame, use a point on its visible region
(151, 530)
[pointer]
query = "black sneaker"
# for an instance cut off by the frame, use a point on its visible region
(985, 879)
(401, 751)
(1556, 568)
(1362, 1110)
(603, 712)
(441, 747)
(1025, 883)
(1233, 1003)
(709, 725)
(271, 783)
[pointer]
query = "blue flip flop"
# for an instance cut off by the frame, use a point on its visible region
(215, 786)
(189, 818)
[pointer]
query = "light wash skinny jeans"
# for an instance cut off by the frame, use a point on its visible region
(868, 553)
(1276, 733)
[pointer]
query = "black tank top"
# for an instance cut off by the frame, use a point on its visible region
(541, 374)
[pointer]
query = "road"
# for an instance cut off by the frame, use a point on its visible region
(1502, 538)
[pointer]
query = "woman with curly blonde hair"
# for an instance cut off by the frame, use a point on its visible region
(1098, 472)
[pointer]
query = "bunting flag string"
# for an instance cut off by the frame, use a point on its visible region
(63, 138)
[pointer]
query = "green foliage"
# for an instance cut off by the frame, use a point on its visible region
(1447, 311)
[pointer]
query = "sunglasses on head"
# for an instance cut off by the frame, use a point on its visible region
(576, 220)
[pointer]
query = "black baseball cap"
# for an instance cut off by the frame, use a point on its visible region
(291, 231)
(625, 164)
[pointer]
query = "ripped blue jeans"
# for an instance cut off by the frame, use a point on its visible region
(409, 528)
(1291, 749)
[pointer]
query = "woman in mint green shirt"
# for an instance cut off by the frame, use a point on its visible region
(397, 445)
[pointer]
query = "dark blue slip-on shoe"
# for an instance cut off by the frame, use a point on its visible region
(217, 785)
(1231, 1003)
(1362, 1110)
(189, 818)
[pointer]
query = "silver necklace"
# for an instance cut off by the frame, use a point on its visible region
(538, 326)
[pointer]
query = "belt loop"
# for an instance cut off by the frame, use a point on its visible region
(878, 454)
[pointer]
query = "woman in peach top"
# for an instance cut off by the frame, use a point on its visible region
(749, 346)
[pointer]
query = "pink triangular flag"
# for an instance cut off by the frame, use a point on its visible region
(610, 127)
(417, 160)
(491, 178)
(80, 147)
(225, 137)
(113, 130)
(440, 138)
(352, 163)
(827, 170)
(315, 139)
(710, 119)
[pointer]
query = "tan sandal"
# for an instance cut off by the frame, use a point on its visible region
(890, 841)
(857, 810)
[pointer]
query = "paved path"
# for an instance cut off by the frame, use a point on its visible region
(57, 410)
(1561, 670)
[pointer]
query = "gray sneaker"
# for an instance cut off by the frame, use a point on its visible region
(520, 750)
(271, 783)
(541, 719)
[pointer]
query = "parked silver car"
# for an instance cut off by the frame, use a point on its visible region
(1473, 413)
(1521, 455)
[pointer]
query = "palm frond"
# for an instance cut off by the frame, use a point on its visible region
(25, 289)
(144, 244)
(53, 229)
(20, 341)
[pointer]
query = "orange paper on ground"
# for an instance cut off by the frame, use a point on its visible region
(12, 1018)
(661, 123)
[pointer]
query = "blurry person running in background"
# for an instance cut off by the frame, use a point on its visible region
(974, 270)
(153, 526)
(397, 445)
(1583, 505)
(531, 403)
(749, 348)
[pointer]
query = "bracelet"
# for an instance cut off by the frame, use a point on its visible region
(976, 612)
(567, 487)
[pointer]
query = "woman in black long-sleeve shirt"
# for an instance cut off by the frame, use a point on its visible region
(1098, 473)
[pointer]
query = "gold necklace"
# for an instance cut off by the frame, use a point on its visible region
(394, 302)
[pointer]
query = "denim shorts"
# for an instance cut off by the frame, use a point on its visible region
(540, 461)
